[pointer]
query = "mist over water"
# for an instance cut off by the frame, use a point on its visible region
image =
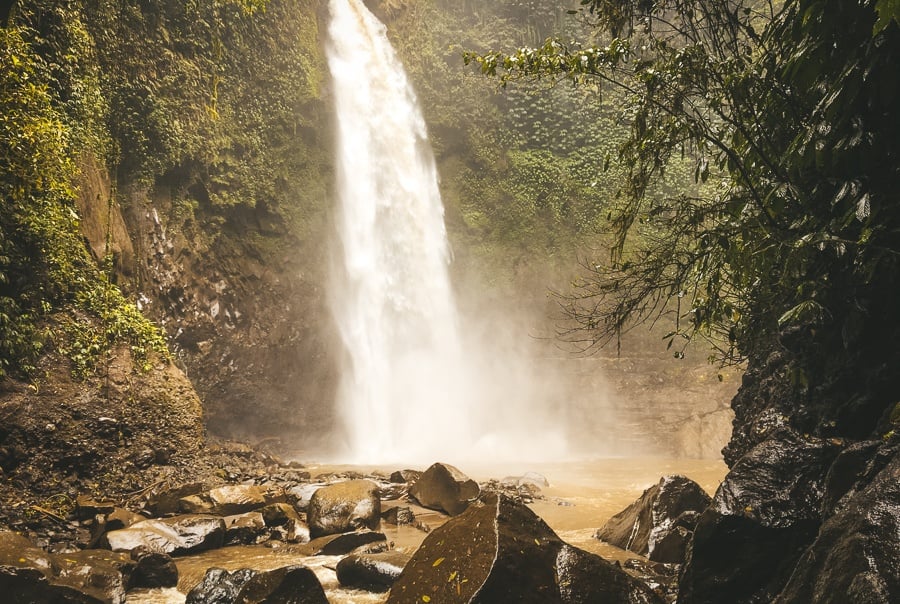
(420, 382)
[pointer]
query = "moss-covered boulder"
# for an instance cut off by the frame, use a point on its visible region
(498, 550)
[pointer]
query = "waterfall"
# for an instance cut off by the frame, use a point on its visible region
(419, 383)
(391, 295)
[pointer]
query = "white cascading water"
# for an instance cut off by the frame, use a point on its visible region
(411, 390)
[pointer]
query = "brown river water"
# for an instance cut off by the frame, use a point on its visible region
(581, 497)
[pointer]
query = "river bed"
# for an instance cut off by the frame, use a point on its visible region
(581, 497)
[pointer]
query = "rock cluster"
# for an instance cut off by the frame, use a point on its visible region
(127, 550)
(491, 547)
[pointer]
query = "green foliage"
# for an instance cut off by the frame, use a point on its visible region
(107, 320)
(786, 117)
(44, 265)
(888, 10)
(518, 167)
(39, 245)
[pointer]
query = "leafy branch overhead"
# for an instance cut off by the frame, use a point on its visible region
(786, 110)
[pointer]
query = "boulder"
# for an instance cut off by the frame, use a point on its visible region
(167, 501)
(392, 491)
(245, 529)
(856, 555)
(443, 487)
(278, 514)
(152, 570)
(100, 574)
(116, 520)
(761, 520)
(343, 507)
(654, 525)
(21, 585)
(228, 500)
(498, 550)
(300, 495)
(372, 572)
(405, 476)
(339, 545)
(287, 585)
(219, 586)
(26, 575)
(16, 550)
(177, 535)
(399, 515)
(294, 531)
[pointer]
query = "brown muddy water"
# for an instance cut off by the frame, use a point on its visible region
(581, 497)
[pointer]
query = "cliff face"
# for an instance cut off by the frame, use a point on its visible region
(218, 221)
(809, 510)
(247, 322)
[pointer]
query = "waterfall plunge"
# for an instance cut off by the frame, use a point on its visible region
(412, 390)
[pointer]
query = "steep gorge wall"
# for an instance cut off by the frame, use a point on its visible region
(213, 208)
(236, 277)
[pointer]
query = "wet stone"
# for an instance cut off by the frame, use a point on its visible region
(339, 545)
(371, 571)
(654, 525)
(100, 574)
(245, 529)
(152, 570)
(498, 550)
(399, 515)
(278, 514)
(227, 500)
(175, 536)
(443, 487)
(287, 585)
(343, 507)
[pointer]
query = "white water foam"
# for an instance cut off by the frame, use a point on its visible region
(414, 387)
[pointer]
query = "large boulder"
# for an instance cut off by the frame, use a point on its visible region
(100, 574)
(497, 551)
(26, 575)
(443, 487)
(29, 576)
(177, 535)
(343, 507)
(16, 550)
(658, 525)
(856, 555)
(228, 500)
(287, 585)
(22, 585)
(220, 586)
(373, 572)
(761, 520)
